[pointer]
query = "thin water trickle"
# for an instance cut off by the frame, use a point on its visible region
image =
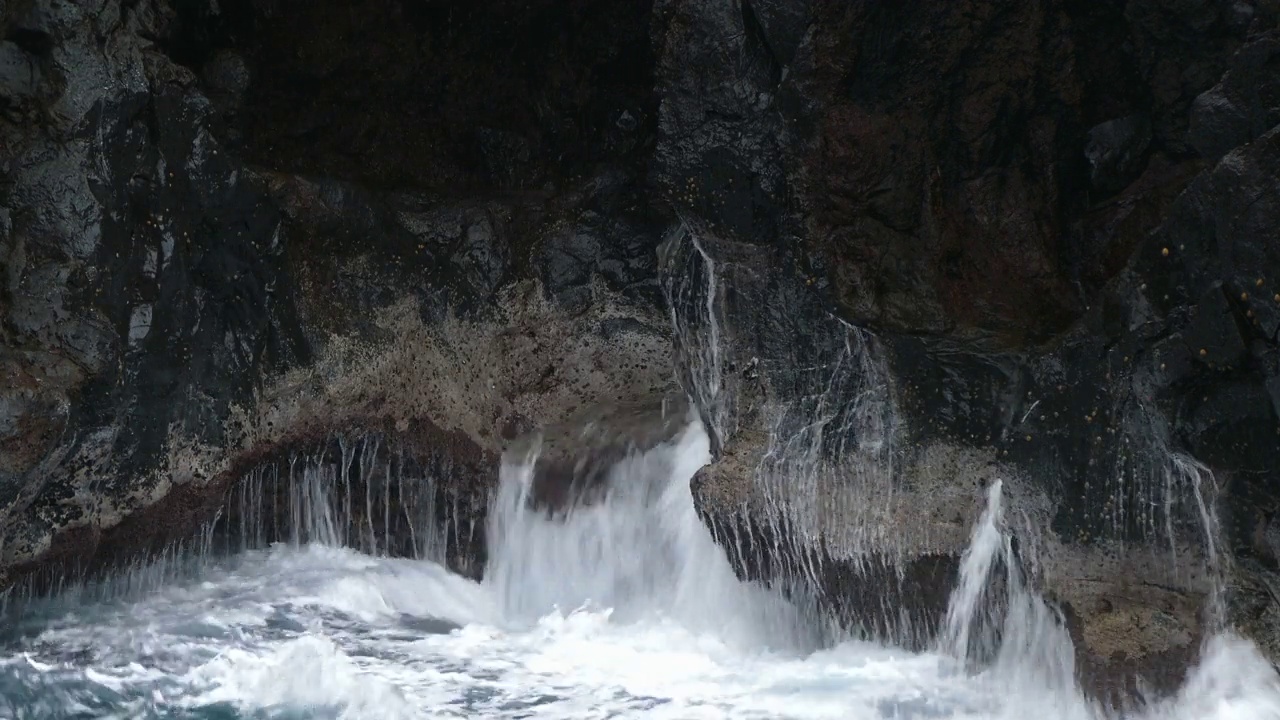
(624, 608)
(350, 492)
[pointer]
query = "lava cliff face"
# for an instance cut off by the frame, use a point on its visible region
(1035, 241)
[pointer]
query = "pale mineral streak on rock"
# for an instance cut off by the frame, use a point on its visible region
(533, 365)
(311, 240)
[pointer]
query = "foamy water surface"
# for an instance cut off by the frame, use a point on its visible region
(627, 609)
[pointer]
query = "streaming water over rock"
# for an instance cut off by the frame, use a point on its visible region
(358, 492)
(639, 550)
(620, 607)
(994, 619)
(833, 485)
(988, 547)
(805, 491)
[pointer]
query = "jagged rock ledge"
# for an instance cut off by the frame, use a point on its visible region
(572, 459)
(415, 491)
(1073, 200)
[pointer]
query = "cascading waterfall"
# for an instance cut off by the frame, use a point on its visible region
(621, 606)
(825, 486)
(74, 586)
(816, 428)
(347, 492)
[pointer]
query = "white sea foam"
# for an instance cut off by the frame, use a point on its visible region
(624, 609)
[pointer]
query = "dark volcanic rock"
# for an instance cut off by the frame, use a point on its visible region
(573, 460)
(172, 311)
(451, 96)
(911, 248)
(1009, 194)
(1244, 104)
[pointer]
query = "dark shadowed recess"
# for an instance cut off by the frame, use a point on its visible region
(875, 597)
(402, 492)
(525, 124)
(985, 169)
(471, 98)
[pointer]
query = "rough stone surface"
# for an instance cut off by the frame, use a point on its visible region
(199, 272)
(1026, 240)
(572, 459)
(1057, 220)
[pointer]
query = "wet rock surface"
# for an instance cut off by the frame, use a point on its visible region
(572, 461)
(1052, 235)
(179, 300)
(975, 240)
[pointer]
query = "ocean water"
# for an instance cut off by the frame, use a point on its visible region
(623, 609)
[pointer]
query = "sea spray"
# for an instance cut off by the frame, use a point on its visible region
(359, 492)
(1014, 637)
(805, 436)
(354, 491)
(392, 637)
(969, 619)
(636, 549)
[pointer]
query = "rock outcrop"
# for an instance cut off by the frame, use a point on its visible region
(892, 252)
(1056, 221)
(181, 305)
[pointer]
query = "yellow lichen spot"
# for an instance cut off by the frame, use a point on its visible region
(1257, 283)
(1164, 252)
(1203, 352)
(1244, 296)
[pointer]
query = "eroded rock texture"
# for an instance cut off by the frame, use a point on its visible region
(943, 242)
(1068, 273)
(207, 267)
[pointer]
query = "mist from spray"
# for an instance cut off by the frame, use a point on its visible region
(620, 606)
